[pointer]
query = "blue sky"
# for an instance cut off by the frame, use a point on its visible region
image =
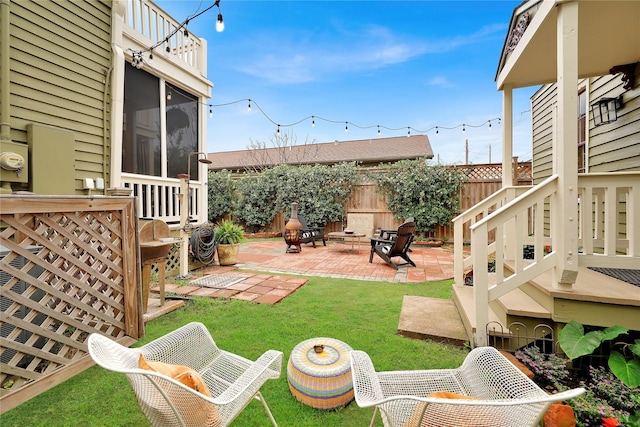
(390, 63)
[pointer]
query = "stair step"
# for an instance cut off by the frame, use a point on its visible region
(463, 299)
(519, 303)
(431, 318)
(515, 303)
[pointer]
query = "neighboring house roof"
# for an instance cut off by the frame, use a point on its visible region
(365, 151)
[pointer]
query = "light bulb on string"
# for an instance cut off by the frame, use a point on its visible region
(313, 121)
(408, 131)
(169, 96)
(464, 130)
(219, 23)
(489, 124)
(278, 131)
(437, 131)
(210, 111)
(249, 105)
(378, 130)
(346, 127)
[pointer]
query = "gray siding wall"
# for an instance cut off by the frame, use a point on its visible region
(542, 104)
(616, 146)
(60, 65)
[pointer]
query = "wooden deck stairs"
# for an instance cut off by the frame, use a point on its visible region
(515, 319)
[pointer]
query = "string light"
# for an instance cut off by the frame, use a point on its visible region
(210, 111)
(313, 119)
(136, 55)
(249, 105)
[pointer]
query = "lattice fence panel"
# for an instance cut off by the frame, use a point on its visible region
(65, 275)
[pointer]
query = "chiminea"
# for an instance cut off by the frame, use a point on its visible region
(293, 231)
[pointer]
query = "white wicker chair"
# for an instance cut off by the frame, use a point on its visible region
(505, 396)
(232, 380)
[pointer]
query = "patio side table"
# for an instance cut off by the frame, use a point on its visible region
(321, 378)
(342, 235)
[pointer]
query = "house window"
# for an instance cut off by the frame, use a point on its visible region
(142, 144)
(141, 123)
(182, 132)
(582, 131)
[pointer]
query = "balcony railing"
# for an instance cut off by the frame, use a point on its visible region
(149, 24)
(157, 198)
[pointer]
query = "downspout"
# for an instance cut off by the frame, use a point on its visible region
(117, 92)
(105, 138)
(5, 96)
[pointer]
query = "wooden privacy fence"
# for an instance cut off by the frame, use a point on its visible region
(69, 267)
(479, 183)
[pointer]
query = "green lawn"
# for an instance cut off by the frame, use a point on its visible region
(363, 314)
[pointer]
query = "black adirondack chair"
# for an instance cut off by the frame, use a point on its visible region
(391, 234)
(311, 234)
(396, 247)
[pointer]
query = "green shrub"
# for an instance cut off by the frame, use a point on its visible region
(228, 233)
(430, 194)
(221, 195)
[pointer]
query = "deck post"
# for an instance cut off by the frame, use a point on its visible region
(564, 218)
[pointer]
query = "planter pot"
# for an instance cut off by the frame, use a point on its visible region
(228, 254)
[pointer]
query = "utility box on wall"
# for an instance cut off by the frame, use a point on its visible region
(52, 152)
(14, 165)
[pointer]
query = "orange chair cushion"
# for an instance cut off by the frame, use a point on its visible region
(182, 374)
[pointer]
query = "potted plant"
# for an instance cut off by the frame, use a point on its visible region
(228, 237)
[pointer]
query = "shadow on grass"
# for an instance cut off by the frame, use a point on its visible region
(363, 314)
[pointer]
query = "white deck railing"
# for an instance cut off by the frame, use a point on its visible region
(144, 19)
(157, 198)
(608, 231)
(473, 215)
(609, 213)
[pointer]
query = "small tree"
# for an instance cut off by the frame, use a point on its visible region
(282, 148)
(428, 193)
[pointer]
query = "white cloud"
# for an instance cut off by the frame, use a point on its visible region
(303, 57)
(440, 81)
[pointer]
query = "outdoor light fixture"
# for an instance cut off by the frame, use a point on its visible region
(204, 160)
(605, 110)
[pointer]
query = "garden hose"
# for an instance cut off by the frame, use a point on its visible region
(203, 244)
